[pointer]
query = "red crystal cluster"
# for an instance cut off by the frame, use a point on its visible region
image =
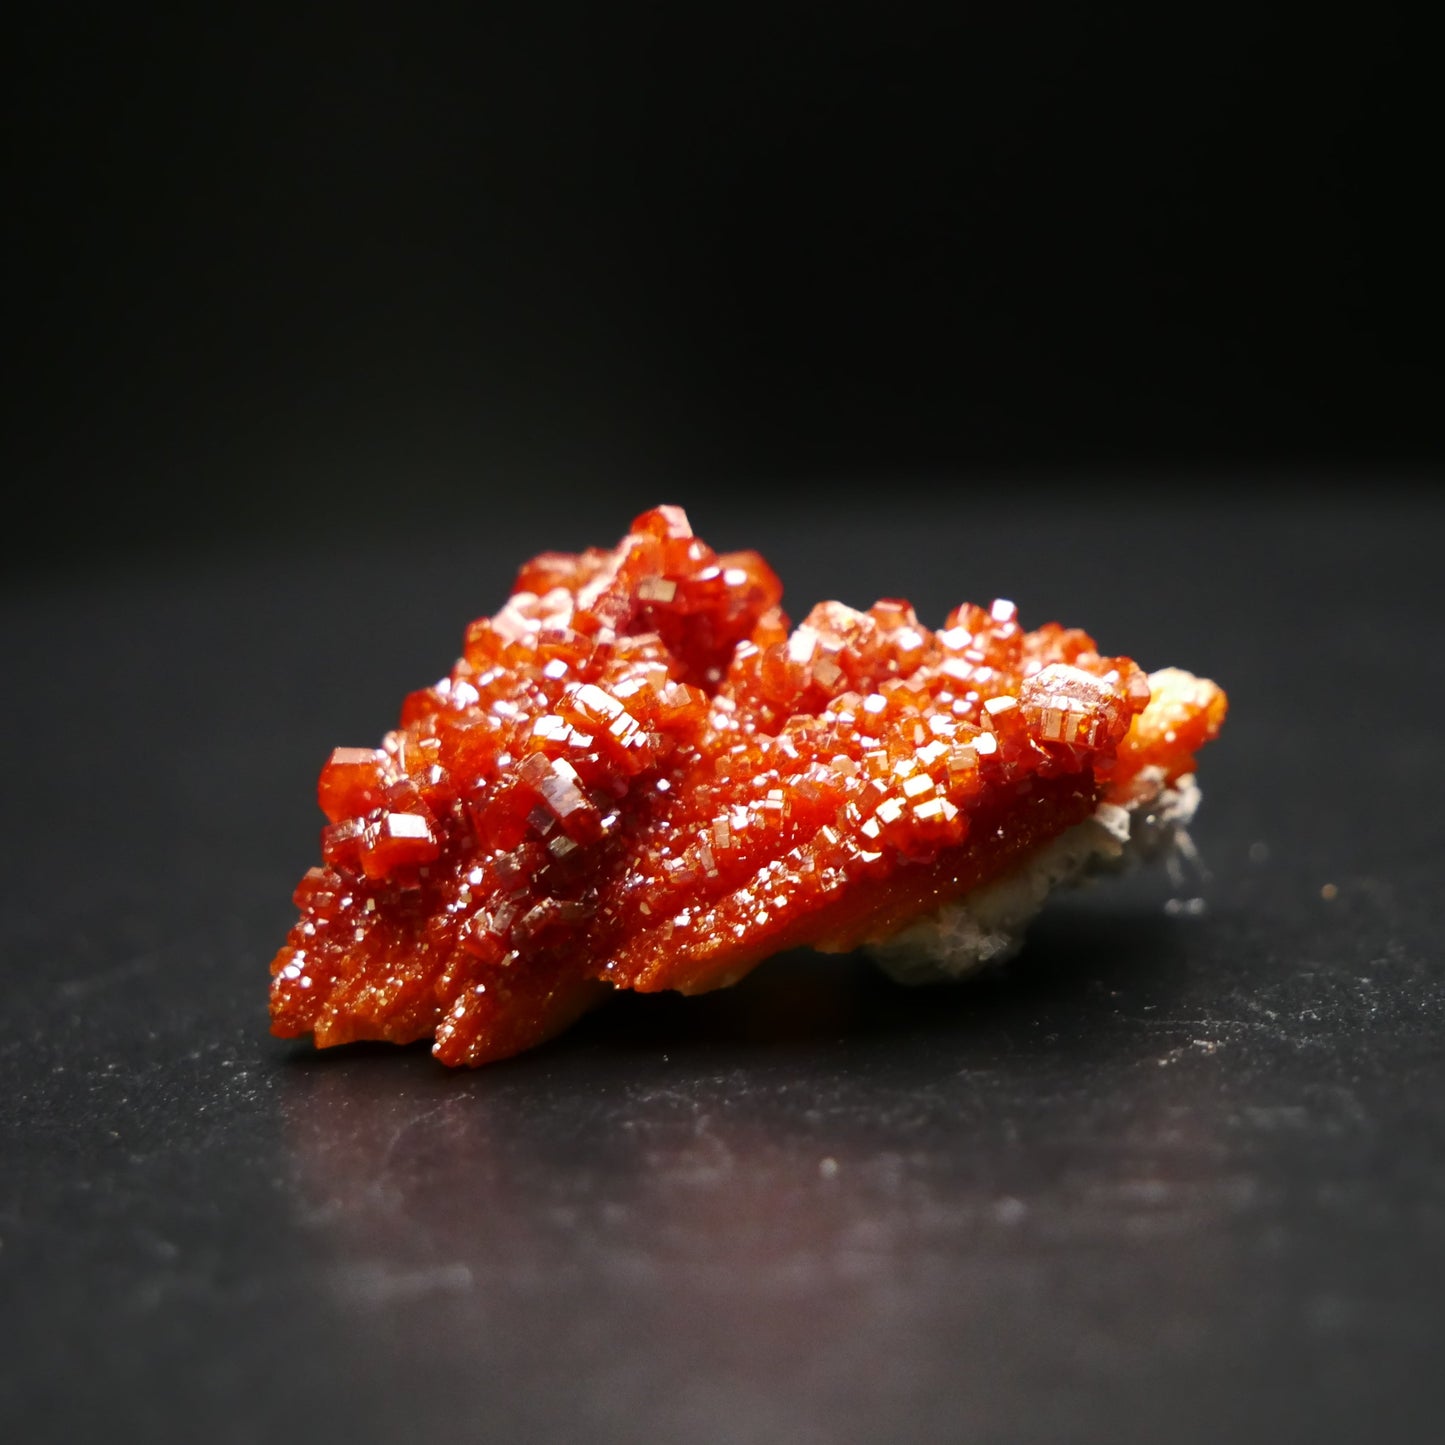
(637, 776)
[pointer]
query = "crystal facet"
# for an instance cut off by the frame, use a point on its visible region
(637, 777)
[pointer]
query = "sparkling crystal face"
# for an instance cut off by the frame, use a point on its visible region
(637, 776)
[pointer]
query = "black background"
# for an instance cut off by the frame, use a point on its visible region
(306, 273)
(323, 322)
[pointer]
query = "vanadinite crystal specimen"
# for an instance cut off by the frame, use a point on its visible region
(637, 776)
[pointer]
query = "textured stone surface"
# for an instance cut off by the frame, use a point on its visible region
(638, 776)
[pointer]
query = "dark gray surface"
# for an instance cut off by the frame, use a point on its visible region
(1174, 1175)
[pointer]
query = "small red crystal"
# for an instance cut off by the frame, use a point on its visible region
(637, 777)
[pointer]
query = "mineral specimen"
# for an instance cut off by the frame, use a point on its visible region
(637, 777)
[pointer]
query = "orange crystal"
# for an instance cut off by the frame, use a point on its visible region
(637, 776)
